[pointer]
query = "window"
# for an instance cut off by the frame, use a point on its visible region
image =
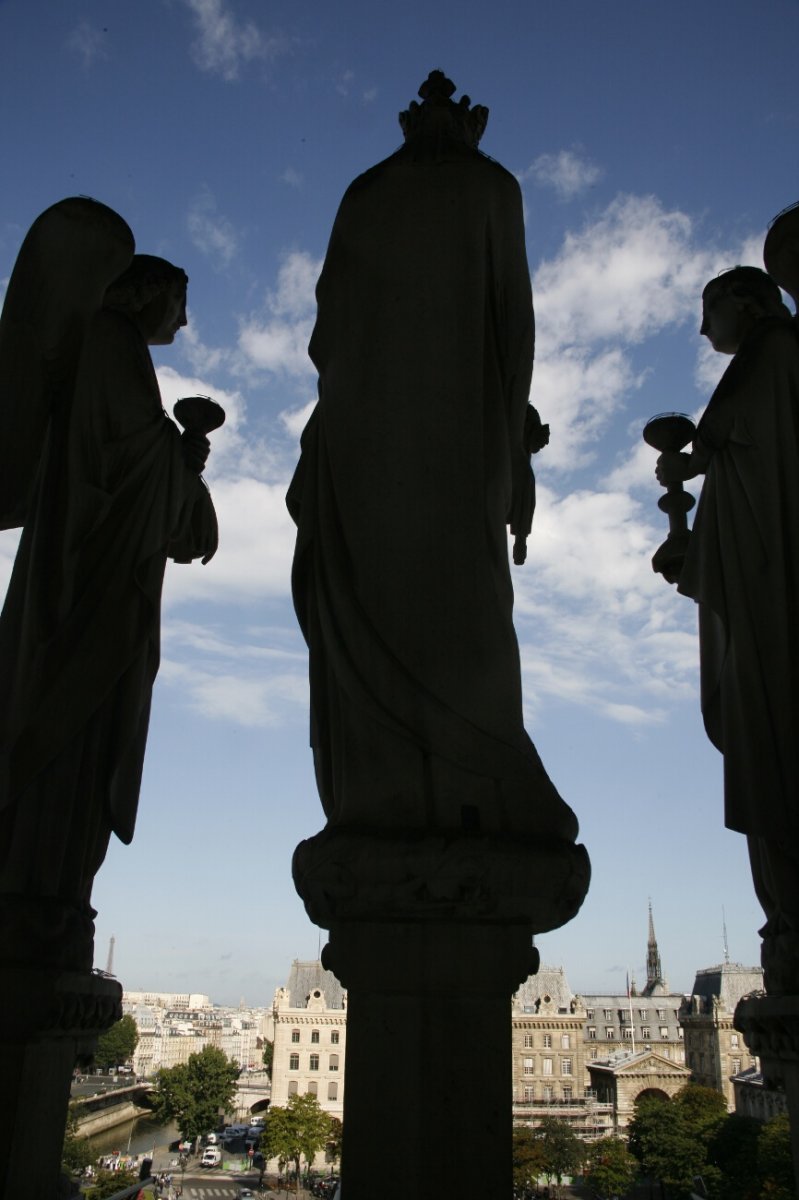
(333, 1062)
(312, 1088)
(528, 1041)
(608, 1014)
(595, 1053)
(314, 1037)
(334, 1037)
(661, 1014)
(627, 1032)
(642, 1013)
(292, 1087)
(565, 1066)
(547, 1066)
(547, 1041)
(592, 1032)
(528, 1066)
(734, 1041)
(610, 1034)
(736, 1066)
(589, 1016)
(680, 1032)
(294, 1062)
(295, 1035)
(313, 1065)
(529, 1094)
(549, 1092)
(564, 1041)
(567, 1092)
(332, 1091)
(645, 1032)
(664, 1033)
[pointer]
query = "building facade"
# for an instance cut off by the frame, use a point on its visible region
(714, 1050)
(310, 1034)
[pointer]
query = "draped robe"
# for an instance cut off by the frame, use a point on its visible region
(79, 633)
(424, 348)
(742, 567)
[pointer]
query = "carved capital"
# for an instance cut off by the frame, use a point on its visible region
(770, 1025)
(349, 874)
(48, 1004)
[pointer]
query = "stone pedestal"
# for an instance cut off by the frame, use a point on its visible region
(431, 935)
(770, 1025)
(51, 1021)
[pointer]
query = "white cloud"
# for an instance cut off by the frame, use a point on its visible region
(370, 95)
(88, 42)
(252, 702)
(277, 340)
(291, 177)
(224, 45)
(565, 171)
(211, 233)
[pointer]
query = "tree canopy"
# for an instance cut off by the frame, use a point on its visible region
(193, 1093)
(672, 1138)
(76, 1153)
(551, 1148)
(297, 1131)
(610, 1167)
(268, 1055)
(117, 1044)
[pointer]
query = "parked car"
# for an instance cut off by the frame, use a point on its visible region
(212, 1157)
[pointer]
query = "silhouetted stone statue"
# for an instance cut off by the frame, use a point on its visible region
(413, 464)
(107, 489)
(742, 568)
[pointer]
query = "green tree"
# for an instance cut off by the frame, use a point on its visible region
(775, 1159)
(333, 1145)
(117, 1044)
(671, 1138)
(76, 1153)
(528, 1157)
(733, 1152)
(610, 1167)
(295, 1132)
(192, 1093)
(108, 1183)
(562, 1150)
(268, 1055)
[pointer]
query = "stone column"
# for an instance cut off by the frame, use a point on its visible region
(52, 1016)
(770, 1025)
(431, 935)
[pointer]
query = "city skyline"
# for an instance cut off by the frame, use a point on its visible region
(652, 148)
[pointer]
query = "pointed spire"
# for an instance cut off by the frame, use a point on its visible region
(654, 970)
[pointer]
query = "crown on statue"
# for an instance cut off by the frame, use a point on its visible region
(438, 115)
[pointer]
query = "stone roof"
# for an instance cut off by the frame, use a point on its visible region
(546, 991)
(305, 978)
(728, 982)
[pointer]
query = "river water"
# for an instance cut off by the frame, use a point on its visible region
(136, 1137)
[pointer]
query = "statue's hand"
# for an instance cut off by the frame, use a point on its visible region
(674, 467)
(196, 449)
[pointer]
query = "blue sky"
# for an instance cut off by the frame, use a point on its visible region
(653, 144)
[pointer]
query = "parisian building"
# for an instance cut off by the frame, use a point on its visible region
(714, 1050)
(310, 1033)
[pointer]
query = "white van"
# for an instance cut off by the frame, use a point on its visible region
(212, 1157)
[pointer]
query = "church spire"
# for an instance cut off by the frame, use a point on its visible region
(654, 971)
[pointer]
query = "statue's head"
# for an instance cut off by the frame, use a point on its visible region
(734, 302)
(781, 251)
(153, 292)
(439, 118)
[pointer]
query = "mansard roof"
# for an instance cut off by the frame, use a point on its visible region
(727, 982)
(546, 991)
(305, 978)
